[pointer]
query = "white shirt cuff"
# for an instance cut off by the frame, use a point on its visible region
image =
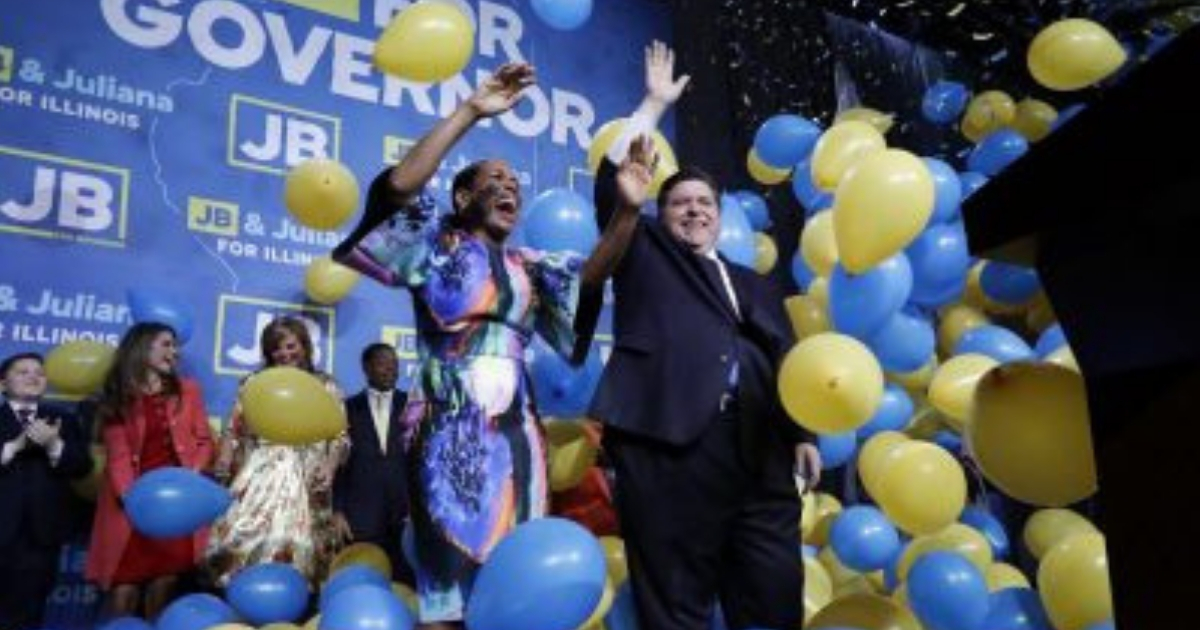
(10, 451)
(55, 450)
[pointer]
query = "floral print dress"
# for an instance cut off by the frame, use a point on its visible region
(477, 460)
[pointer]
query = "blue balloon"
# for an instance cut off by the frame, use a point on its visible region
(1007, 283)
(563, 15)
(546, 573)
(198, 611)
(947, 191)
(940, 265)
(563, 390)
(944, 101)
(152, 305)
(801, 273)
(623, 614)
(971, 182)
(809, 551)
(366, 607)
(948, 440)
(836, 449)
(736, 240)
(561, 220)
(859, 305)
(995, 152)
(994, 341)
(755, 208)
(904, 343)
(127, 623)
(171, 502)
(813, 199)
(894, 412)
(268, 593)
(785, 139)
(1016, 609)
(947, 592)
(348, 578)
(863, 538)
(1103, 625)
(1050, 340)
(988, 525)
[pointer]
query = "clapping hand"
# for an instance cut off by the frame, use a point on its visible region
(43, 432)
(501, 91)
(636, 173)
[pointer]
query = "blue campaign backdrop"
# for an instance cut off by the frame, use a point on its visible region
(144, 144)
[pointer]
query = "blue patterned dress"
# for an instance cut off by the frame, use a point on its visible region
(477, 460)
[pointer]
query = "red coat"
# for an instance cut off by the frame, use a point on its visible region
(192, 441)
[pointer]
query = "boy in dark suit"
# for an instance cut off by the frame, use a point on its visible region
(43, 447)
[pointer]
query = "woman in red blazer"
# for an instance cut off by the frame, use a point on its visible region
(149, 418)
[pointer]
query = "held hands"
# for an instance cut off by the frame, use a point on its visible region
(635, 174)
(661, 87)
(501, 91)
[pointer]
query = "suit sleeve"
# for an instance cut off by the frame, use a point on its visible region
(604, 194)
(76, 459)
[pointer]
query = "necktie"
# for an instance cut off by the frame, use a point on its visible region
(25, 415)
(382, 415)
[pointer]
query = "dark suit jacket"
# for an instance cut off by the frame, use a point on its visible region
(675, 337)
(34, 495)
(370, 488)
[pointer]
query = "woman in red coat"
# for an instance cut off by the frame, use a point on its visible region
(149, 418)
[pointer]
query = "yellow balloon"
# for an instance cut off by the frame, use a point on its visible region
(919, 379)
(808, 514)
(873, 453)
(1031, 434)
(406, 595)
(764, 174)
(1073, 580)
(986, 113)
(807, 315)
(426, 42)
(839, 573)
(830, 383)
(88, 486)
(818, 245)
(974, 296)
(1064, 357)
(765, 253)
(900, 596)
(818, 290)
(864, 611)
(920, 487)
(1001, 575)
(881, 205)
(321, 193)
(230, 626)
(858, 584)
(614, 558)
(925, 424)
(312, 623)
(572, 454)
(280, 626)
(1034, 119)
(952, 391)
(596, 620)
(328, 282)
(78, 368)
(611, 130)
(826, 510)
(291, 406)
(818, 586)
(955, 320)
(366, 554)
(839, 148)
(877, 119)
(1073, 54)
(1048, 527)
(961, 539)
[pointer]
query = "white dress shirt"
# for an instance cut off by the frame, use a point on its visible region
(381, 412)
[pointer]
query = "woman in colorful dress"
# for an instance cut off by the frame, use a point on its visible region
(282, 507)
(149, 418)
(476, 450)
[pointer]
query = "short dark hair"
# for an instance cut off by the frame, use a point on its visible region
(688, 174)
(9, 362)
(463, 180)
(378, 346)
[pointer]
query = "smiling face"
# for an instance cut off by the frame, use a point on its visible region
(24, 380)
(691, 213)
(490, 202)
(163, 353)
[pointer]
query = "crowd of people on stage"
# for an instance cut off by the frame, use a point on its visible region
(688, 405)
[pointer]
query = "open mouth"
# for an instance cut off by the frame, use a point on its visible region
(507, 207)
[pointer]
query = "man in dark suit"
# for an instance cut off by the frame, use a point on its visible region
(689, 401)
(370, 492)
(43, 448)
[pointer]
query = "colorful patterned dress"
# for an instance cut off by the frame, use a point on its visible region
(282, 507)
(477, 460)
